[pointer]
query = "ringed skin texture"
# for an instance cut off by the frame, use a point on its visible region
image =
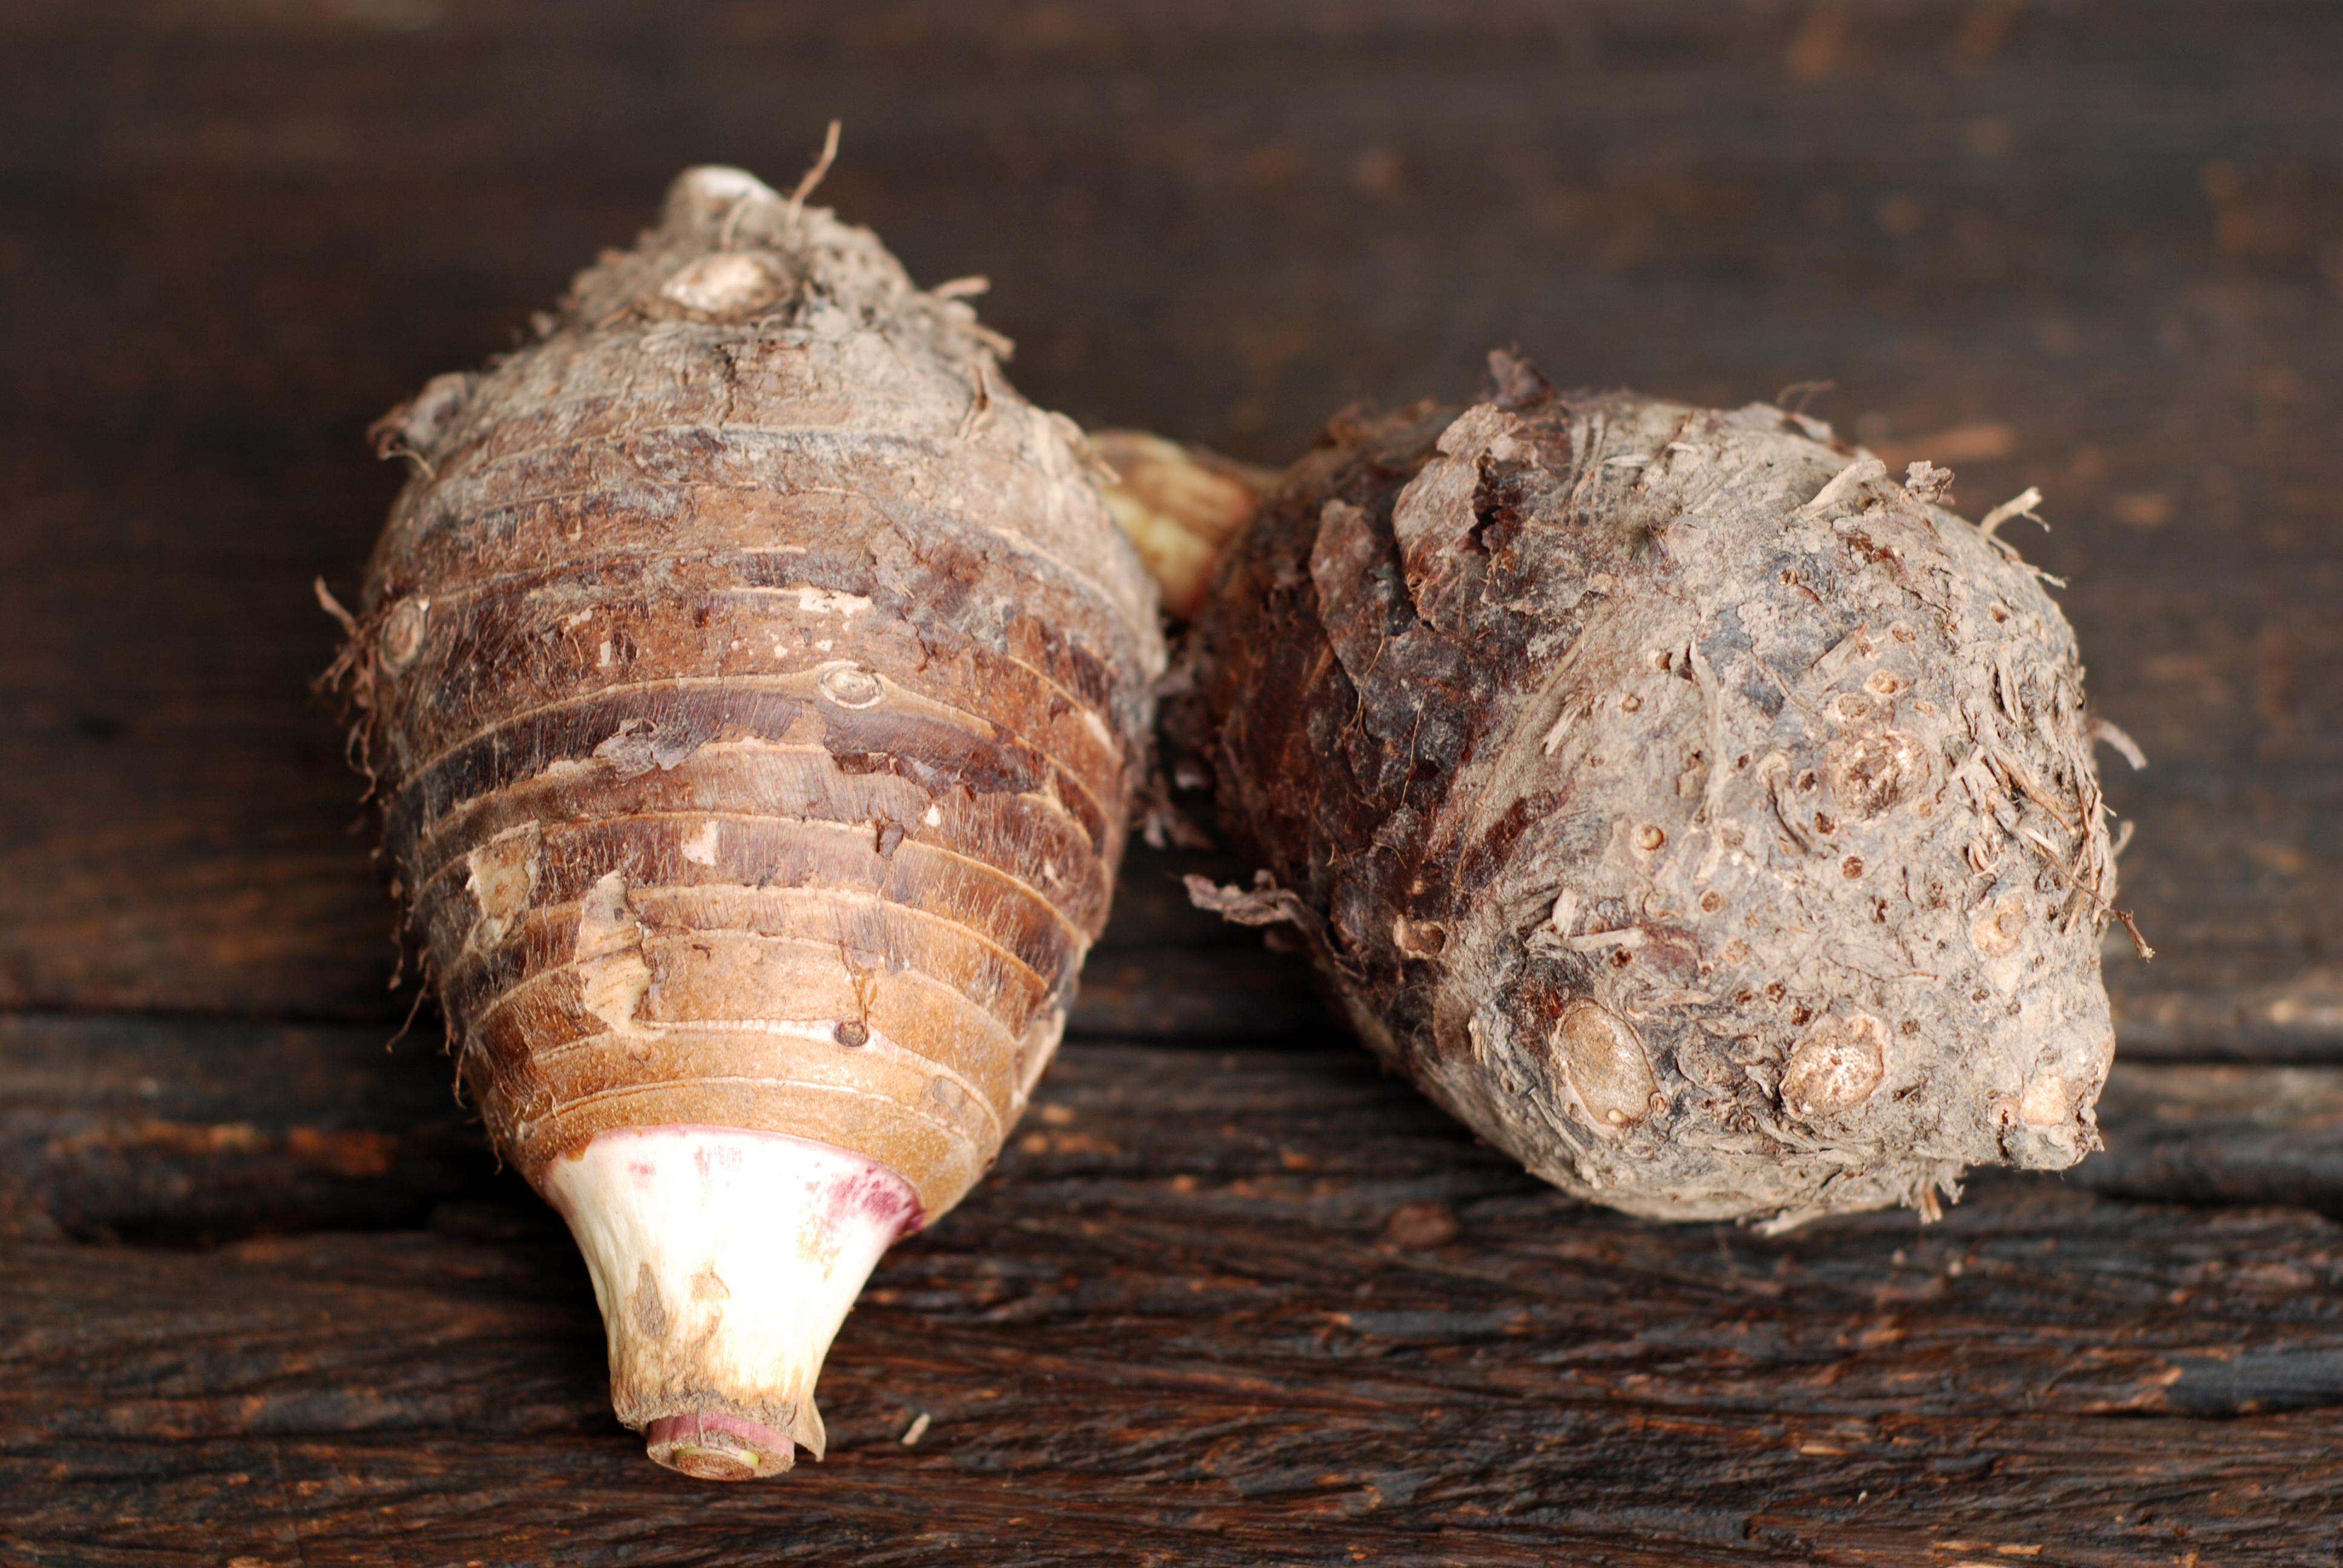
(1699, 812)
(755, 687)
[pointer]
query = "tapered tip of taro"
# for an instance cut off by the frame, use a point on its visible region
(724, 1260)
(714, 1446)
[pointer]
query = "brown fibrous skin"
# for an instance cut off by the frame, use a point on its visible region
(755, 687)
(1699, 812)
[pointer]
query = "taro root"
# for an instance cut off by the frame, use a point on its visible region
(755, 687)
(1180, 506)
(1698, 811)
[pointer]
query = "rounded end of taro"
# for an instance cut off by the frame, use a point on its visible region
(713, 1446)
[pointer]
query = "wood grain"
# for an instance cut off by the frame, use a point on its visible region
(1203, 1313)
(2090, 247)
(195, 1132)
(1234, 1308)
(184, 1132)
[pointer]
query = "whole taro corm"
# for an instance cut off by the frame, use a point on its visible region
(755, 687)
(1694, 809)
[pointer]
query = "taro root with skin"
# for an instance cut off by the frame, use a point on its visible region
(1179, 506)
(755, 687)
(1695, 809)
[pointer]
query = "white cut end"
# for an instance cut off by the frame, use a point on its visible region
(724, 1261)
(721, 182)
(724, 285)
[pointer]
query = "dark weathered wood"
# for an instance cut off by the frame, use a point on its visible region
(1166, 970)
(1204, 1314)
(182, 1133)
(190, 1132)
(2090, 246)
(2214, 1134)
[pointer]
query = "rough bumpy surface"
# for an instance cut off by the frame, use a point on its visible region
(1696, 810)
(755, 686)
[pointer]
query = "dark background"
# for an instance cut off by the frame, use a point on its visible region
(2095, 245)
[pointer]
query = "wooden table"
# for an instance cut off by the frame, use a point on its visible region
(1230, 1298)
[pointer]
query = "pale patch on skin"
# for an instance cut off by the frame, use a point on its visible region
(2048, 1100)
(723, 183)
(727, 283)
(402, 632)
(612, 976)
(1605, 1066)
(1836, 1067)
(1999, 928)
(501, 877)
(830, 602)
(850, 685)
(699, 849)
